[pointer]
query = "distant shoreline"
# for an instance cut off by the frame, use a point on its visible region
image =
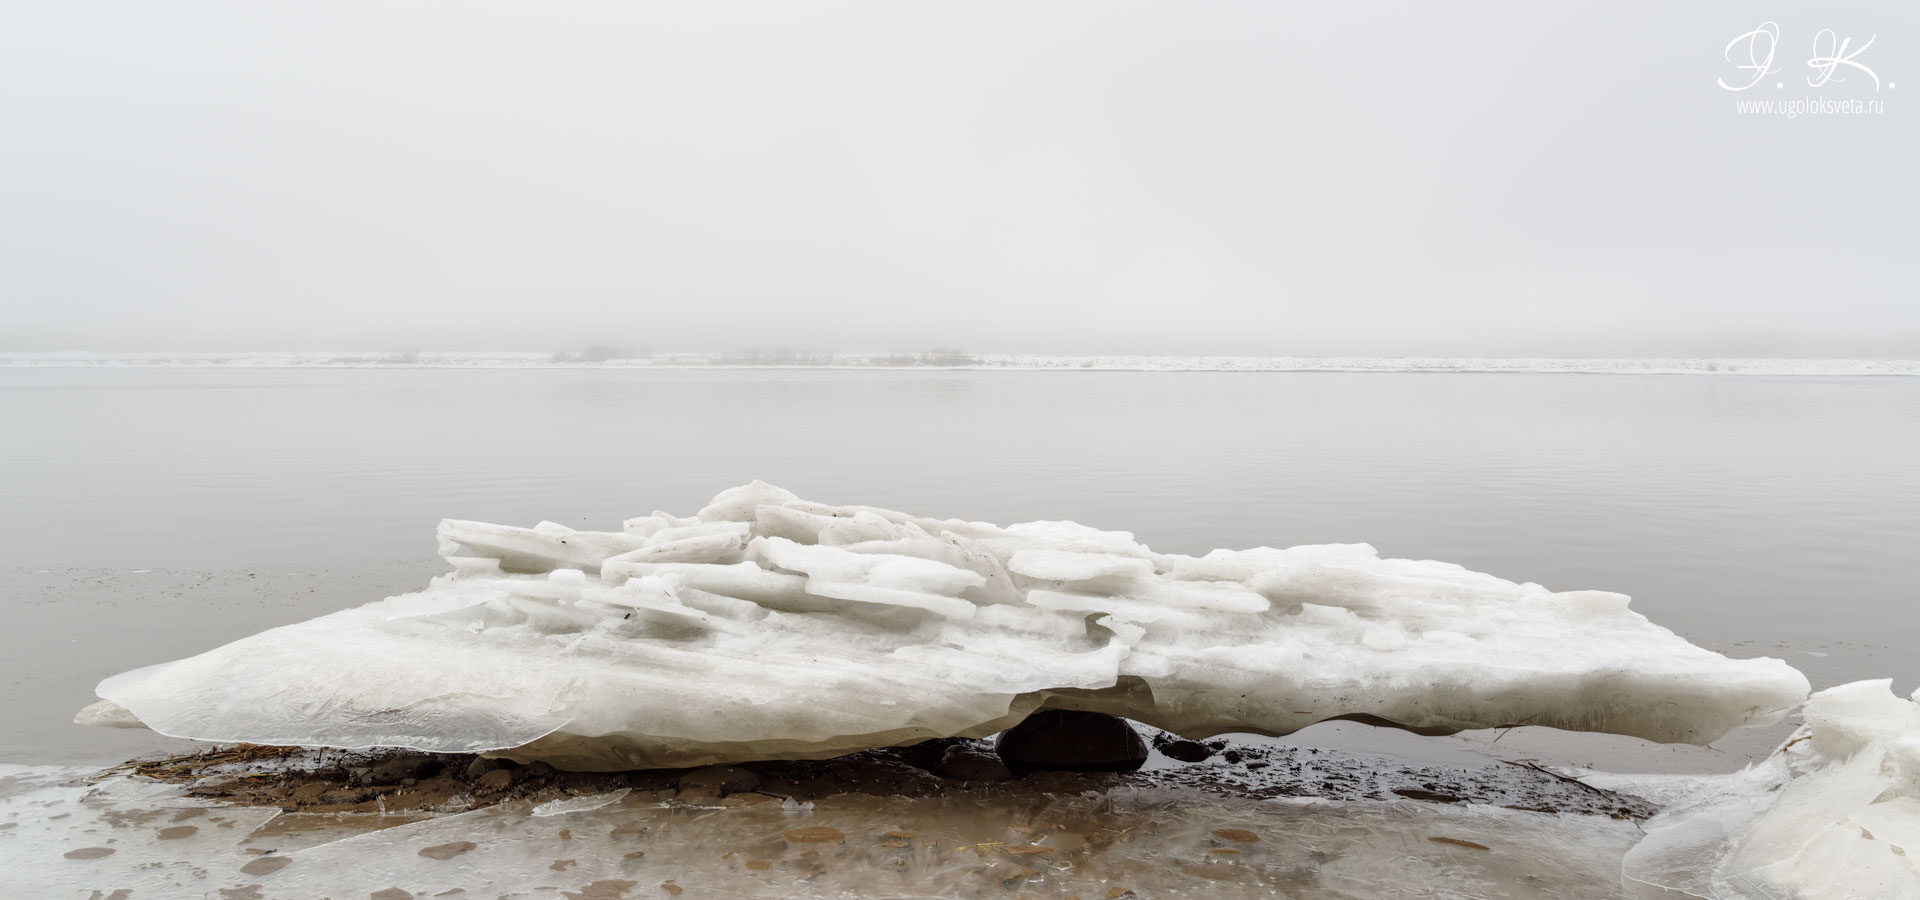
(964, 362)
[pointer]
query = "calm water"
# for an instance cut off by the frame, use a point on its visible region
(1757, 515)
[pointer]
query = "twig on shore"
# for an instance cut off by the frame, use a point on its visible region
(1529, 764)
(1509, 727)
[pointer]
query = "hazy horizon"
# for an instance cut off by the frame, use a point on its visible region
(1073, 178)
(809, 357)
(1780, 348)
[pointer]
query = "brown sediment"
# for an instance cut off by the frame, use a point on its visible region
(266, 865)
(447, 851)
(1026, 849)
(402, 782)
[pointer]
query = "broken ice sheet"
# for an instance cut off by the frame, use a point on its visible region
(771, 627)
(1834, 813)
(1154, 842)
(64, 836)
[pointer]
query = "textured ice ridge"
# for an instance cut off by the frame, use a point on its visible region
(767, 626)
(1833, 815)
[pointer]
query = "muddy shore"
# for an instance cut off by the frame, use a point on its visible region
(406, 782)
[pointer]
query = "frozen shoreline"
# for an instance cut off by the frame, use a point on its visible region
(1009, 362)
(125, 836)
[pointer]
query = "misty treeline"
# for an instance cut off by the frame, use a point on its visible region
(596, 353)
(777, 356)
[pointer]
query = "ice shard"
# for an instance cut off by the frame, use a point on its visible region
(1834, 813)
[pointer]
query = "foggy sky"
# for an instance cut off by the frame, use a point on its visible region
(1516, 179)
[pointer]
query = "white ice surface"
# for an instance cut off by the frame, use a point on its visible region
(1833, 815)
(772, 627)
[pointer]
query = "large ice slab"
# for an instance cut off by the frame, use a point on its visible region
(767, 626)
(1833, 815)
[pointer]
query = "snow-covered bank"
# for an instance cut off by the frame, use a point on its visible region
(1015, 362)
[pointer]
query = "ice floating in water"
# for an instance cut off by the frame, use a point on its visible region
(767, 626)
(1834, 815)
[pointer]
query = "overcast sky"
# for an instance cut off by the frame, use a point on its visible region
(1522, 179)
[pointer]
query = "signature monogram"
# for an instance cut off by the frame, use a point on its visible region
(1830, 54)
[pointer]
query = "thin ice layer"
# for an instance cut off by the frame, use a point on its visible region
(62, 836)
(767, 626)
(1833, 815)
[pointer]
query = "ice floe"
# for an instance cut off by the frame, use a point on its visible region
(1833, 815)
(767, 626)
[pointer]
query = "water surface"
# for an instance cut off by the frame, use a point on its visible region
(1755, 515)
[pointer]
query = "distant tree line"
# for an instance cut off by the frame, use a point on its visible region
(778, 356)
(782, 356)
(938, 356)
(602, 353)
